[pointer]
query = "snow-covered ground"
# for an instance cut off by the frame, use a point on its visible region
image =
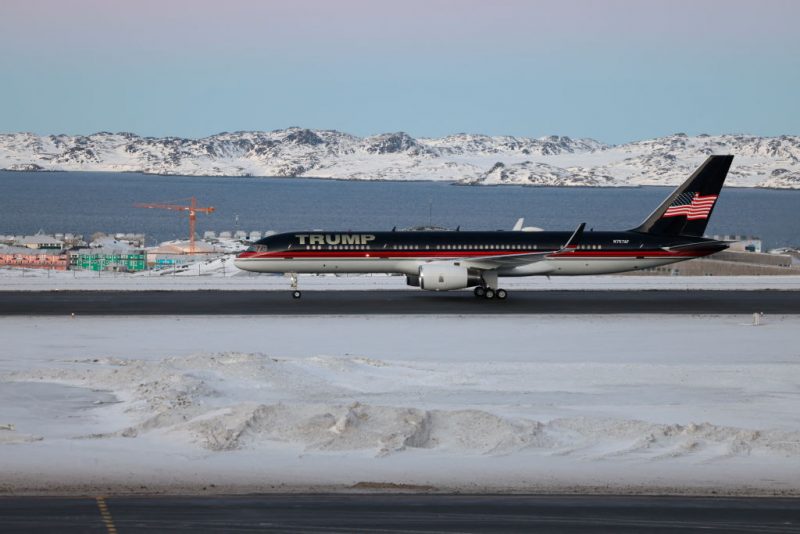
(520, 403)
(220, 274)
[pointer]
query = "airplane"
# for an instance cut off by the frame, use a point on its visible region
(453, 259)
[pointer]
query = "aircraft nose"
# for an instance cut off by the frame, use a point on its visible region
(238, 260)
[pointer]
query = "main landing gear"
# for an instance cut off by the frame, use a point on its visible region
(489, 293)
(488, 287)
(296, 294)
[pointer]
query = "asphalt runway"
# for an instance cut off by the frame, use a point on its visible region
(394, 302)
(399, 513)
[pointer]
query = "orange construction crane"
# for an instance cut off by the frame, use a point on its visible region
(192, 208)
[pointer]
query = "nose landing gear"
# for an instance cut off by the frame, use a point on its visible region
(296, 294)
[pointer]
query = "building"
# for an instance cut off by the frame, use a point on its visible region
(741, 243)
(108, 259)
(33, 258)
(132, 239)
(174, 253)
(40, 241)
(108, 254)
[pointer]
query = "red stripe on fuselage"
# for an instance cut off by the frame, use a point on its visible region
(422, 254)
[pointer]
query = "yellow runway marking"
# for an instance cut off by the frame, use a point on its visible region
(106, 515)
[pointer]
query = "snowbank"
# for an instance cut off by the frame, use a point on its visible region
(450, 403)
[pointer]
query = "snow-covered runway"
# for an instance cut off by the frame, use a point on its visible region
(470, 403)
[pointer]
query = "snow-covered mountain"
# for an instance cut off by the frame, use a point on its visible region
(464, 158)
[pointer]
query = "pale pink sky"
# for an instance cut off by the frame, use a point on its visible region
(613, 69)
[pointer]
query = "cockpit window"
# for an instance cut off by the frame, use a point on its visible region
(257, 248)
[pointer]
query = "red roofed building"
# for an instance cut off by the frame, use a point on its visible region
(33, 258)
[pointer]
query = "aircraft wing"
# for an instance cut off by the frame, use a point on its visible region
(525, 258)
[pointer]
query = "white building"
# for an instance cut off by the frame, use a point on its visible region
(741, 243)
(40, 241)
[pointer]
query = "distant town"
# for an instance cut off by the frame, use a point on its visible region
(120, 252)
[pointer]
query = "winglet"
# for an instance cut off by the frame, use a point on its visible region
(518, 225)
(575, 237)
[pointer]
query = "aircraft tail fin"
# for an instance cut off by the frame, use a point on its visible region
(686, 211)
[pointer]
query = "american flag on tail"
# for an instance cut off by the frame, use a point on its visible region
(693, 205)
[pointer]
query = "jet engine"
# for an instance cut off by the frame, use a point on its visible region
(445, 276)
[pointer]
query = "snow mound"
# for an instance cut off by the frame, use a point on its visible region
(639, 439)
(391, 429)
(382, 429)
(385, 429)
(234, 401)
(9, 437)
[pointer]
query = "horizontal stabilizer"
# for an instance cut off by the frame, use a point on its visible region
(699, 246)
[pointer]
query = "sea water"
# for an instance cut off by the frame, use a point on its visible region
(89, 202)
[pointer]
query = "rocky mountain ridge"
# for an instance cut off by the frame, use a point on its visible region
(463, 158)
